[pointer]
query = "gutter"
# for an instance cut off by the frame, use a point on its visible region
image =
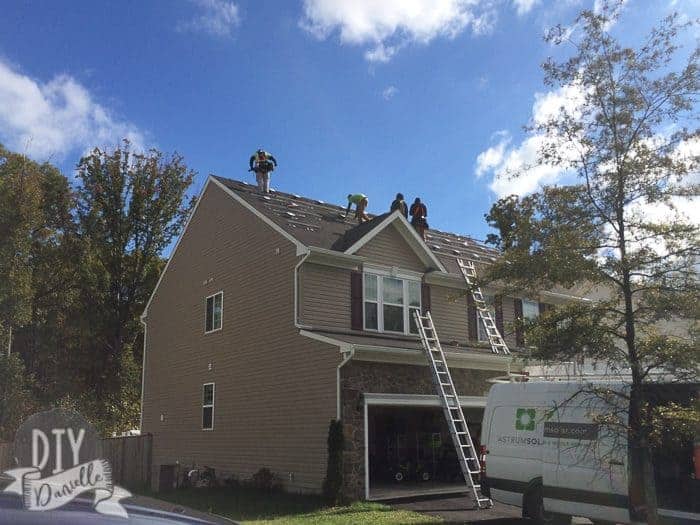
(347, 356)
(306, 252)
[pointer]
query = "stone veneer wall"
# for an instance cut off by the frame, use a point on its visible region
(358, 377)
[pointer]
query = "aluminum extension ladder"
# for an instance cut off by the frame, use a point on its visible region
(498, 345)
(457, 424)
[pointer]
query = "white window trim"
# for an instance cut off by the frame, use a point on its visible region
(213, 402)
(380, 274)
(206, 300)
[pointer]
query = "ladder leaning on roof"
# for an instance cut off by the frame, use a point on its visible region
(456, 422)
(498, 345)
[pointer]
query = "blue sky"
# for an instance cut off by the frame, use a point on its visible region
(426, 97)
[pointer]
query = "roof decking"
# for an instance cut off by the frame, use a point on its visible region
(317, 223)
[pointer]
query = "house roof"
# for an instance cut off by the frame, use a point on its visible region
(320, 224)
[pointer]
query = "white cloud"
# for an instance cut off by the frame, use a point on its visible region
(389, 92)
(504, 159)
(52, 119)
(216, 18)
(387, 26)
(524, 6)
(492, 157)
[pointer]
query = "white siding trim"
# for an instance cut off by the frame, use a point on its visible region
(213, 405)
(419, 400)
(206, 300)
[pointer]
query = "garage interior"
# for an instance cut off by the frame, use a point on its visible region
(410, 451)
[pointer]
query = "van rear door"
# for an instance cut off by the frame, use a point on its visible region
(585, 463)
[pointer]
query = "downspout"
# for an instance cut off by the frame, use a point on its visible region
(348, 353)
(306, 253)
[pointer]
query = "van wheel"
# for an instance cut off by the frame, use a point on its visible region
(534, 509)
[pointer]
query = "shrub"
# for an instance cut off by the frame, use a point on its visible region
(265, 480)
(333, 483)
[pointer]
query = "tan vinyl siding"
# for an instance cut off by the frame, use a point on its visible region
(275, 390)
(389, 248)
(324, 296)
(449, 311)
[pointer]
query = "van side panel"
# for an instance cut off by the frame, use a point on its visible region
(584, 468)
(512, 436)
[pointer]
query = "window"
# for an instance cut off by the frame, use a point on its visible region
(214, 314)
(389, 303)
(481, 329)
(208, 406)
(531, 309)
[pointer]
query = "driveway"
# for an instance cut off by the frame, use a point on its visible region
(458, 509)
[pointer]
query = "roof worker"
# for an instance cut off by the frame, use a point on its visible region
(262, 163)
(400, 204)
(419, 212)
(360, 201)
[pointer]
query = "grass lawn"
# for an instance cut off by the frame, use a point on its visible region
(279, 508)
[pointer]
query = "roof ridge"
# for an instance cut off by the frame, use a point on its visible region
(432, 235)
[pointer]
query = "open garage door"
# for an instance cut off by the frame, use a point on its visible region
(410, 451)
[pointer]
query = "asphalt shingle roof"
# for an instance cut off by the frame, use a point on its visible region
(317, 223)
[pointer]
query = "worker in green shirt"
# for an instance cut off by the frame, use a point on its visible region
(360, 202)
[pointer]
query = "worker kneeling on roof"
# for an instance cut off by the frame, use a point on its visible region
(262, 163)
(360, 201)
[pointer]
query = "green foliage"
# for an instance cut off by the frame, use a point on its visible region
(130, 207)
(16, 400)
(21, 206)
(333, 482)
(628, 148)
(265, 480)
(76, 268)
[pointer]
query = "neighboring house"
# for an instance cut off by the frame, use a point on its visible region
(274, 316)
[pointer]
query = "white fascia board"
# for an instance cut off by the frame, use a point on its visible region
(334, 258)
(408, 232)
(451, 280)
(144, 314)
(344, 346)
(301, 247)
(418, 400)
(417, 357)
(565, 297)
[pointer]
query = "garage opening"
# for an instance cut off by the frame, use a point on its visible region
(410, 451)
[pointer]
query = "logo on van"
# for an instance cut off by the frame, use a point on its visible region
(525, 419)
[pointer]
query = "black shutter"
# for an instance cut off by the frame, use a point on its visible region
(543, 307)
(498, 306)
(518, 307)
(471, 319)
(356, 300)
(425, 297)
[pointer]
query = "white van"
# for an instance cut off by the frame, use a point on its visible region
(543, 450)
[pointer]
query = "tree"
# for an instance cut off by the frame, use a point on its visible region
(130, 208)
(627, 143)
(16, 401)
(20, 215)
